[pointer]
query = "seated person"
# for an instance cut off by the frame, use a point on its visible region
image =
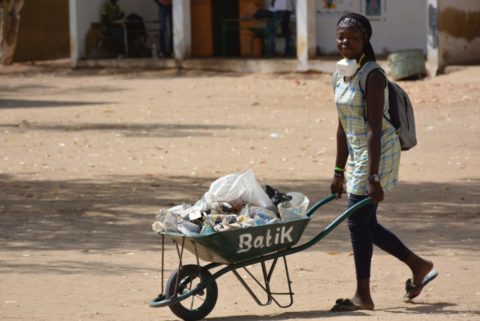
(113, 30)
(281, 12)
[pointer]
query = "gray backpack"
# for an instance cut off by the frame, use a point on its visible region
(400, 107)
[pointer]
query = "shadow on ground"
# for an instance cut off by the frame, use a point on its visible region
(125, 129)
(117, 212)
(27, 103)
(417, 309)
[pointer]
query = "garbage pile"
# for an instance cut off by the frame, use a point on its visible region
(232, 202)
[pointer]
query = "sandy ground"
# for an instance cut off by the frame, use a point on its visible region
(88, 157)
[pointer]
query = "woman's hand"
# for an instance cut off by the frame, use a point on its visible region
(337, 186)
(375, 191)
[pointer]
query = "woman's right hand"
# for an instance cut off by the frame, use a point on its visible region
(336, 187)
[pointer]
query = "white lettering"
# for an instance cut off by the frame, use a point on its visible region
(258, 243)
(276, 235)
(282, 235)
(245, 243)
(286, 234)
(268, 239)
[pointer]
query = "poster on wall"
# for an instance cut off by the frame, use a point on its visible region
(329, 4)
(374, 9)
(337, 7)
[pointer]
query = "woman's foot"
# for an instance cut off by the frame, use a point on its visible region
(353, 304)
(423, 273)
(362, 300)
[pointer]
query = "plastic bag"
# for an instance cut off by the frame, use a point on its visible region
(166, 221)
(158, 225)
(295, 208)
(234, 188)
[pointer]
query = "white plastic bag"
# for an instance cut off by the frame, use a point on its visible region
(237, 187)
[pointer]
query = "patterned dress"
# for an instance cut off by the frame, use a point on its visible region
(352, 109)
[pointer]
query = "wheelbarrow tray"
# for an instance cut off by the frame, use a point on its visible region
(238, 245)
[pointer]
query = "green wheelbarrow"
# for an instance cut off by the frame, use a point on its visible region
(191, 290)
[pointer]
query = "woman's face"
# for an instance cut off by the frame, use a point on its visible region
(350, 42)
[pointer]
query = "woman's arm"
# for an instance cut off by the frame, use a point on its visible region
(340, 161)
(342, 147)
(376, 84)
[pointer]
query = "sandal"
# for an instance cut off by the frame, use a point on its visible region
(346, 305)
(412, 290)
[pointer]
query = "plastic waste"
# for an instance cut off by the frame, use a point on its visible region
(276, 196)
(235, 189)
(171, 221)
(206, 230)
(232, 202)
(188, 228)
(180, 210)
(260, 214)
(158, 225)
(295, 208)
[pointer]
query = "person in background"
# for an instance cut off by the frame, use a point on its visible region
(281, 12)
(112, 28)
(372, 148)
(165, 38)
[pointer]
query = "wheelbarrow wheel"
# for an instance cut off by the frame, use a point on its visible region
(197, 306)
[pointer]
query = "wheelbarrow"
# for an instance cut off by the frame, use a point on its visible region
(230, 251)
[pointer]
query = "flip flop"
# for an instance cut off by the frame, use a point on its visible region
(412, 290)
(346, 305)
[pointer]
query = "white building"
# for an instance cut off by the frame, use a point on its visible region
(442, 29)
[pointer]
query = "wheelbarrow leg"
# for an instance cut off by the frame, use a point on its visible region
(267, 276)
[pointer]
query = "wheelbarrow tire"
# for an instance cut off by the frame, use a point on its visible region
(188, 273)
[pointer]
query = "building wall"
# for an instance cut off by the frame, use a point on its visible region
(459, 31)
(88, 12)
(43, 32)
(401, 24)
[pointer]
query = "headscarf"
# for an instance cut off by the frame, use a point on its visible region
(362, 24)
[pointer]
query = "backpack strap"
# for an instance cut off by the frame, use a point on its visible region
(365, 71)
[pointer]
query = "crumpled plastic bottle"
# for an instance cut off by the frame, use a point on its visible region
(188, 228)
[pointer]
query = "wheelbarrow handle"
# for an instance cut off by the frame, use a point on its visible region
(319, 204)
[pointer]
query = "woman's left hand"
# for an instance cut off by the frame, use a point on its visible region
(375, 191)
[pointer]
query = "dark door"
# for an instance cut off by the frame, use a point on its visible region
(226, 39)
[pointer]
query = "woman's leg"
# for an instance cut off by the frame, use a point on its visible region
(388, 241)
(362, 244)
(391, 244)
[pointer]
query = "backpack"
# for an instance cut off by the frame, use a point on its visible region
(400, 109)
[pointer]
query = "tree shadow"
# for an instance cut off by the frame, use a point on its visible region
(64, 70)
(117, 212)
(77, 267)
(24, 88)
(127, 129)
(26, 103)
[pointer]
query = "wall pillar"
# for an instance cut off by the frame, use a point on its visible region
(306, 38)
(73, 22)
(182, 30)
(435, 64)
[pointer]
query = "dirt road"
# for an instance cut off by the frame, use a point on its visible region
(88, 157)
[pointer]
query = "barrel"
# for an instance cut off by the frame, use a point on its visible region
(407, 64)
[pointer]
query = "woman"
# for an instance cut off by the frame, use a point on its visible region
(372, 149)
